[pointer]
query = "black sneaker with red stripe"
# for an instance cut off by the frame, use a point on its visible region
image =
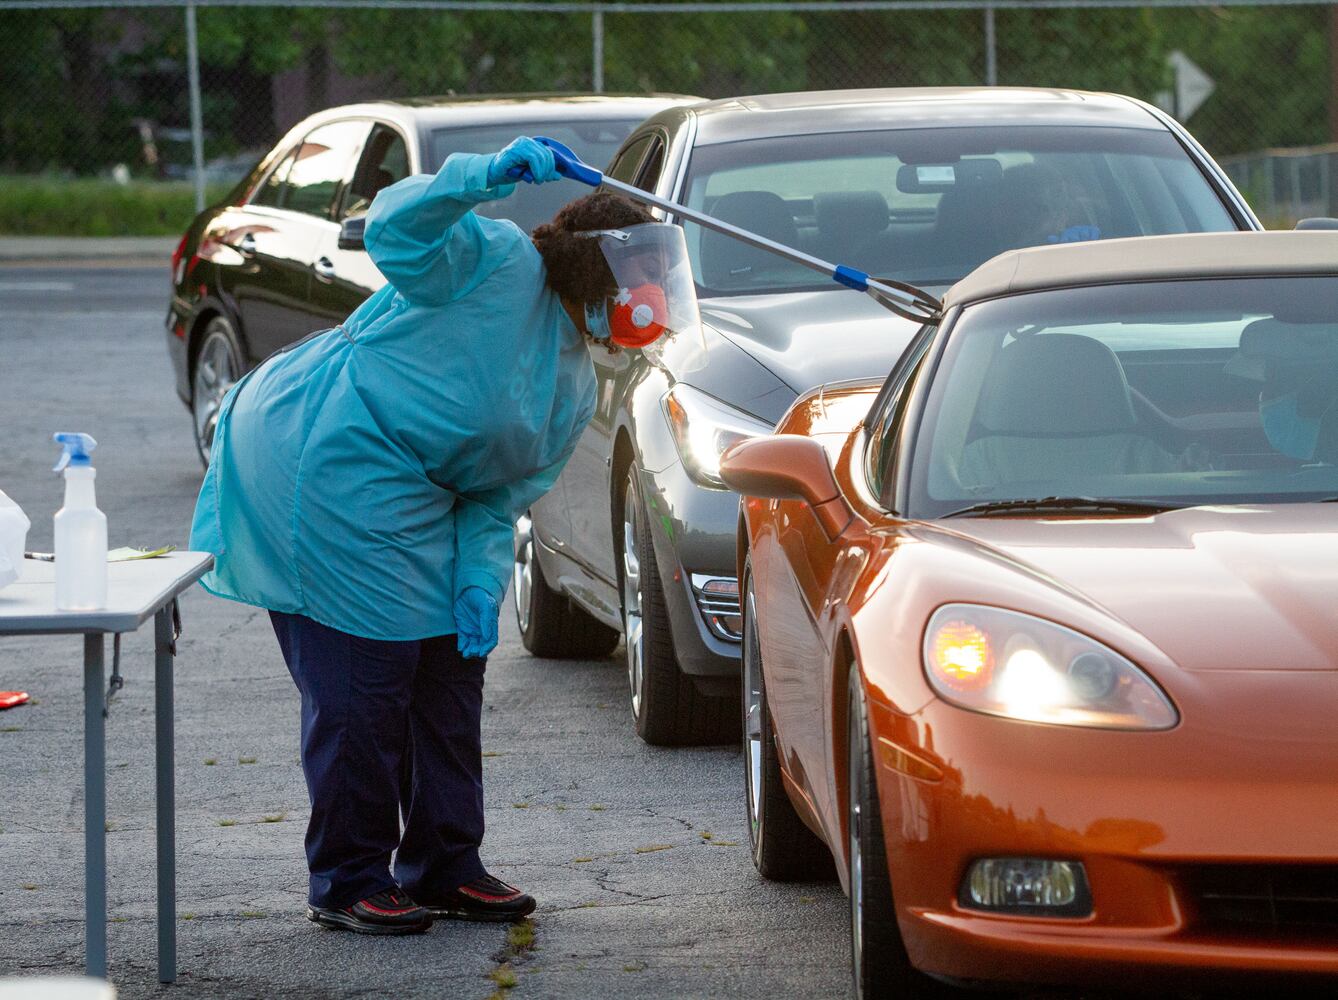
(389, 911)
(487, 899)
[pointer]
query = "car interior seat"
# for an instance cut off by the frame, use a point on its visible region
(725, 262)
(966, 228)
(849, 222)
(1056, 405)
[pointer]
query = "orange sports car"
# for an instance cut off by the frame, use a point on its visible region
(1041, 633)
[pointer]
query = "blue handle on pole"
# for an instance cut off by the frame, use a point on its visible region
(568, 164)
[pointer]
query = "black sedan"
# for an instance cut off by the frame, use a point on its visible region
(264, 268)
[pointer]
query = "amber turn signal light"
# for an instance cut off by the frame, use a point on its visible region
(962, 657)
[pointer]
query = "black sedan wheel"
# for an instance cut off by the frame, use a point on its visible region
(550, 624)
(218, 366)
(668, 707)
(783, 847)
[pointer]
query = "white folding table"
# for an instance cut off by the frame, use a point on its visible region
(136, 591)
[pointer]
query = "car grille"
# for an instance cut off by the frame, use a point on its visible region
(1268, 897)
(718, 602)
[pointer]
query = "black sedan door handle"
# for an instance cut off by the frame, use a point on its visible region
(325, 269)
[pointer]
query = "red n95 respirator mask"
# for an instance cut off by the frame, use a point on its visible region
(638, 316)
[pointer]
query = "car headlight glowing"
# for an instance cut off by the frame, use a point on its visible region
(704, 428)
(1005, 663)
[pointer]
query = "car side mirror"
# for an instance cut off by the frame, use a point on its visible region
(1317, 224)
(351, 232)
(788, 467)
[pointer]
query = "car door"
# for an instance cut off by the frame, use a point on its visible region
(586, 478)
(342, 279)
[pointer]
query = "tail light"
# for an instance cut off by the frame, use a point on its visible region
(178, 261)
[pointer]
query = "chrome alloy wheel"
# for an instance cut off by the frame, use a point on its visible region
(523, 573)
(752, 717)
(216, 371)
(855, 791)
(632, 626)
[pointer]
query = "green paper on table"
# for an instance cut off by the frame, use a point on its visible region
(126, 553)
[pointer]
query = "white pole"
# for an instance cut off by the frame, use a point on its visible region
(991, 50)
(597, 45)
(196, 115)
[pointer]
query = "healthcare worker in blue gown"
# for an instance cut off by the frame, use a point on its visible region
(362, 488)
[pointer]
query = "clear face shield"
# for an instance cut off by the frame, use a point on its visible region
(655, 307)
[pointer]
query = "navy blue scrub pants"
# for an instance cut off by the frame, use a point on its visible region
(388, 728)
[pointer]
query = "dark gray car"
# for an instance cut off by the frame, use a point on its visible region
(920, 186)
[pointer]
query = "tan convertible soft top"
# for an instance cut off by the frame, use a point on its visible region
(1149, 258)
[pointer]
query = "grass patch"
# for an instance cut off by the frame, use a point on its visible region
(253, 914)
(635, 967)
(581, 861)
(652, 848)
(276, 818)
(723, 843)
(45, 205)
(188, 916)
(504, 976)
(587, 906)
(11, 729)
(227, 822)
(30, 886)
(807, 899)
(246, 760)
(493, 753)
(210, 761)
(597, 809)
(520, 937)
(706, 835)
(520, 805)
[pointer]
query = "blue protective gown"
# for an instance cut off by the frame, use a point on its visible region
(369, 474)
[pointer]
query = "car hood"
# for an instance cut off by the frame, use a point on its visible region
(808, 338)
(1215, 588)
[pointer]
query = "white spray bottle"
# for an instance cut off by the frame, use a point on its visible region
(81, 531)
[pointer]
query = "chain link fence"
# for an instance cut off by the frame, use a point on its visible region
(88, 88)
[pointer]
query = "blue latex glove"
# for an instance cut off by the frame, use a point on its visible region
(526, 153)
(475, 622)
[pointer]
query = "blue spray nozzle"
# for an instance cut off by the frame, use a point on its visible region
(77, 447)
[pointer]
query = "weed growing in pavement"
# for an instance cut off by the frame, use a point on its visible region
(188, 916)
(11, 729)
(635, 967)
(227, 822)
(210, 761)
(504, 977)
(520, 937)
(652, 848)
(706, 835)
(493, 753)
(724, 843)
(276, 818)
(520, 805)
(581, 861)
(253, 914)
(597, 809)
(30, 886)
(246, 760)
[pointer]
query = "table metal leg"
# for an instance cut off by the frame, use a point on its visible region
(167, 860)
(95, 810)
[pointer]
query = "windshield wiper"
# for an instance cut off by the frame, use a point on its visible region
(1041, 505)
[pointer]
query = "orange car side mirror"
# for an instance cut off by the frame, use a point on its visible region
(788, 467)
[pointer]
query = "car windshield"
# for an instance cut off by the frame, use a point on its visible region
(1184, 392)
(594, 142)
(928, 205)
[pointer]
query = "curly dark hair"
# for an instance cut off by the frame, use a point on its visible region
(576, 268)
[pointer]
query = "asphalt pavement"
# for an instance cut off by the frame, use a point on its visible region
(637, 855)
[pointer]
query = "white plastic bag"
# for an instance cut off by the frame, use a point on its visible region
(14, 526)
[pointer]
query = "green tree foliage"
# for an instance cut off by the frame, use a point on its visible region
(73, 82)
